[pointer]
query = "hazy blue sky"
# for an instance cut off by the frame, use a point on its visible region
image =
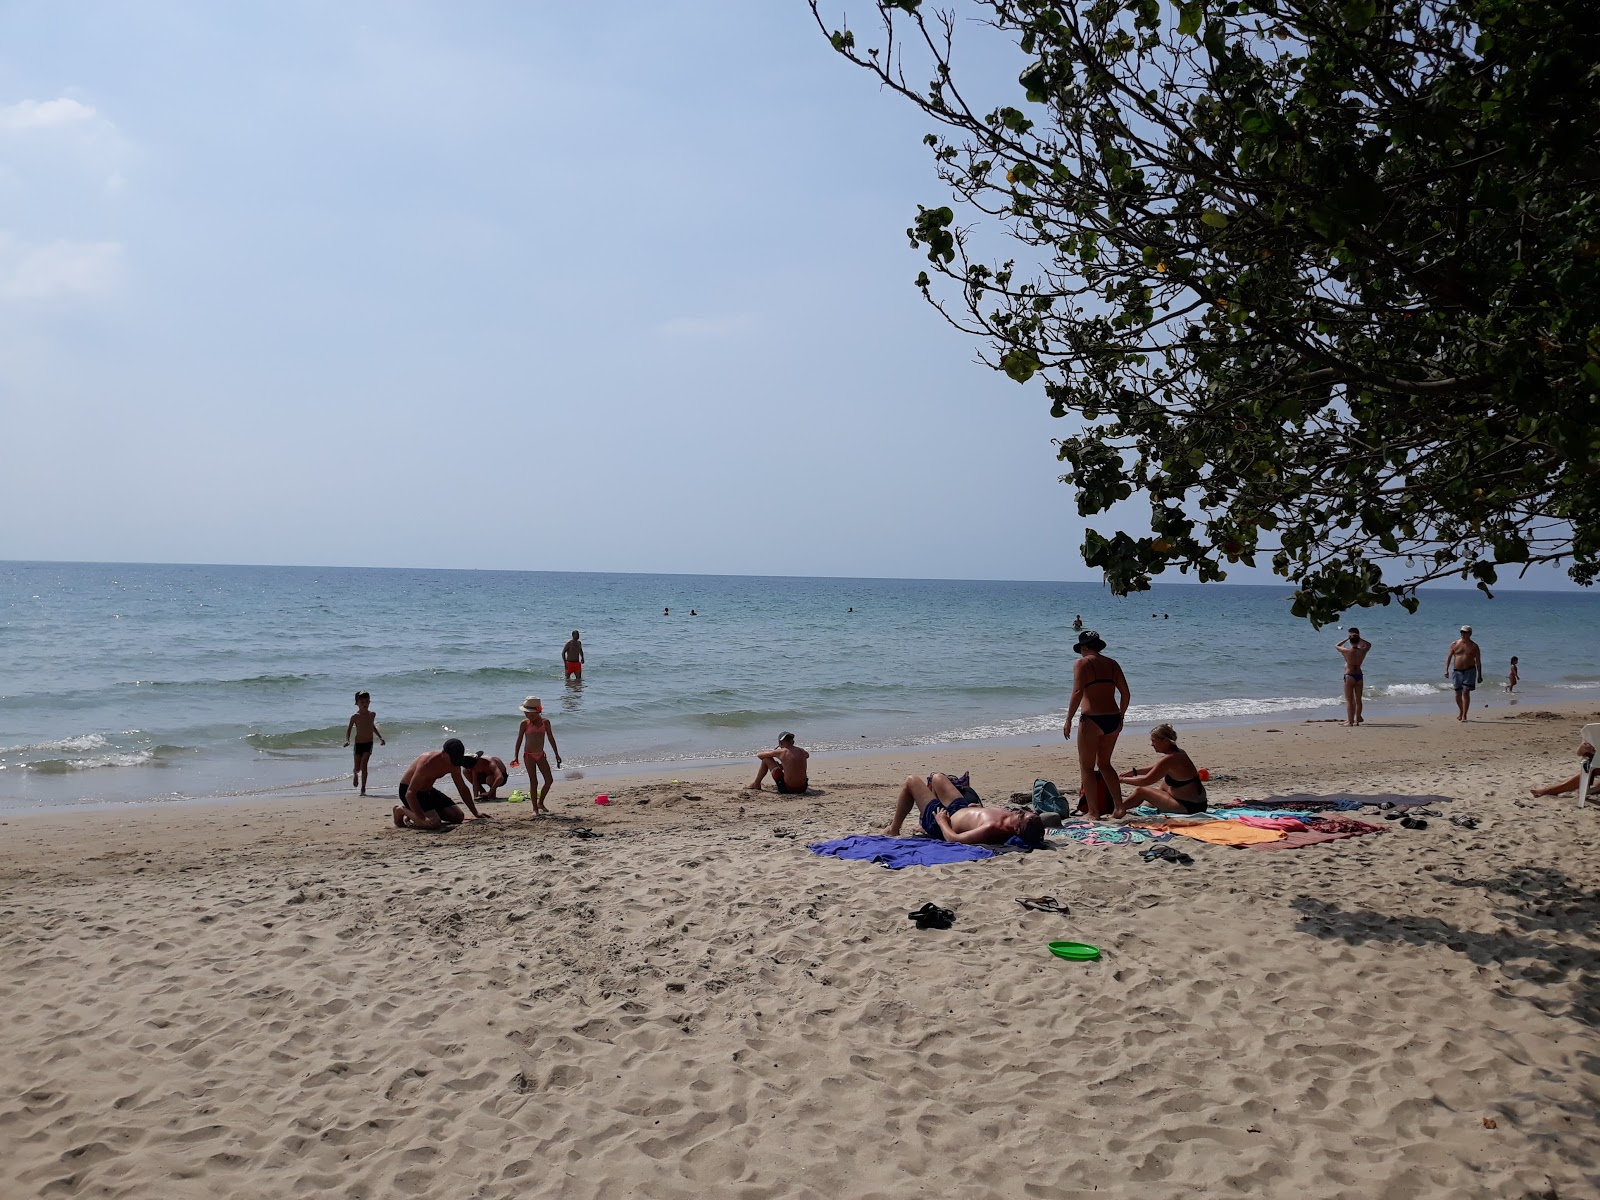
(520, 285)
(539, 285)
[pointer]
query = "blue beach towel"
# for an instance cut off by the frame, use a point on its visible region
(897, 852)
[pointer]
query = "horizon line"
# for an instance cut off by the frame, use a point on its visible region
(72, 562)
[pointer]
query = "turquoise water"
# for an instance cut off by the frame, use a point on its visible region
(139, 682)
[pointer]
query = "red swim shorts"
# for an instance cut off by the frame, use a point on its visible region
(574, 668)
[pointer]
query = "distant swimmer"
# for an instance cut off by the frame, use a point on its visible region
(955, 813)
(1100, 687)
(849, 610)
(1354, 650)
(1077, 621)
(1463, 666)
(572, 657)
(786, 765)
(1512, 676)
(666, 612)
(692, 613)
(424, 806)
(364, 724)
(531, 735)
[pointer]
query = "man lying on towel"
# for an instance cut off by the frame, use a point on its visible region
(956, 814)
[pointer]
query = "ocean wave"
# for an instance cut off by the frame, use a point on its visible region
(1409, 689)
(743, 718)
(60, 766)
(1138, 714)
(248, 682)
(1577, 687)
(298, 739)
(82, 741)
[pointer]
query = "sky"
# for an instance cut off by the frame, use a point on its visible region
(541, 286)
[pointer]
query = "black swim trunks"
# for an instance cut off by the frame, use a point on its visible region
(784, 789)
(362, 748)
(930, 815)
(429, 800)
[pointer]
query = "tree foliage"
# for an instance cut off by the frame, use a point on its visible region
(1321, 277)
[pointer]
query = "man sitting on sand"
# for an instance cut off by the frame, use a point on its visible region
(953, 814)
(786, 764)
(423, 806)
(1585, 752)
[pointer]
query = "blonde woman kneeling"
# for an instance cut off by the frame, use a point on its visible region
(1172, 784)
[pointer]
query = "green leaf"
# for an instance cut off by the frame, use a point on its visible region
(1214, 219)
(1189, 20)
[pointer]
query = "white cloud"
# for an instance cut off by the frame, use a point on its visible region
(44, 114)
(704, 327)
(60, 270)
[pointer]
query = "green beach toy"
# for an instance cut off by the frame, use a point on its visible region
(517, 797)
(1078, 951)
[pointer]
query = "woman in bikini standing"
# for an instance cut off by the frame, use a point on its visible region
(1099, 685)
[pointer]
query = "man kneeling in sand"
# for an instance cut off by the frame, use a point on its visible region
(953, 814)
(787, 765)
(423, 806)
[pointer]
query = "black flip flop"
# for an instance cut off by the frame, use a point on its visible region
(1413, 822)
(1043, 904)
(931, 916)
(1465, 822)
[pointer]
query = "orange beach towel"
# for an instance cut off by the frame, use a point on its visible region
(1224, 833)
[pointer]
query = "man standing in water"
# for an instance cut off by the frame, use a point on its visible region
(1463, 666)
(572, 657)
(1355, 653)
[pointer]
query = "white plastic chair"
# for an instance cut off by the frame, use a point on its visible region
(1591, 734)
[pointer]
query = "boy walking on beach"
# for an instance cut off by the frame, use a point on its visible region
(1463, 666)
(1354, 650)
(572, 658)
(1512, 676)
(364, 724)
(530, 742)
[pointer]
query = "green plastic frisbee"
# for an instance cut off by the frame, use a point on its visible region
(1078, 951)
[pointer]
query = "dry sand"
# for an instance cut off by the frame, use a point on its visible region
(292, 999)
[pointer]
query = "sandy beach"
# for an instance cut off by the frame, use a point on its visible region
(291, 998)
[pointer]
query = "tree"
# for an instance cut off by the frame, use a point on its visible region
(1321, 277)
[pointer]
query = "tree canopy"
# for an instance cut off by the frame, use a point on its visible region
(1320, 277)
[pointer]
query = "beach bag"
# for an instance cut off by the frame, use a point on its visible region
(1047, 798)
(1102, 796)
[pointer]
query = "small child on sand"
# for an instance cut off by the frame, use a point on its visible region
(530, 740)
(1511, 678)
(364, 724)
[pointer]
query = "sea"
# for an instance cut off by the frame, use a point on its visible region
(141, 683)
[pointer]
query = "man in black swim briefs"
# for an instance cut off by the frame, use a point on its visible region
(956, 814)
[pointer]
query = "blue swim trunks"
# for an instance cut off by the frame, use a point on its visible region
(1464, 680)
(930, 815)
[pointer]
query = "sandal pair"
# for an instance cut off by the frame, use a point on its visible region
(1413, 822)
(1465, 822)
(1169, 853)
(931, 916)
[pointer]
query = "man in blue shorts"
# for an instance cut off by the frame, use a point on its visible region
(1463, 666)
(956, 814)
